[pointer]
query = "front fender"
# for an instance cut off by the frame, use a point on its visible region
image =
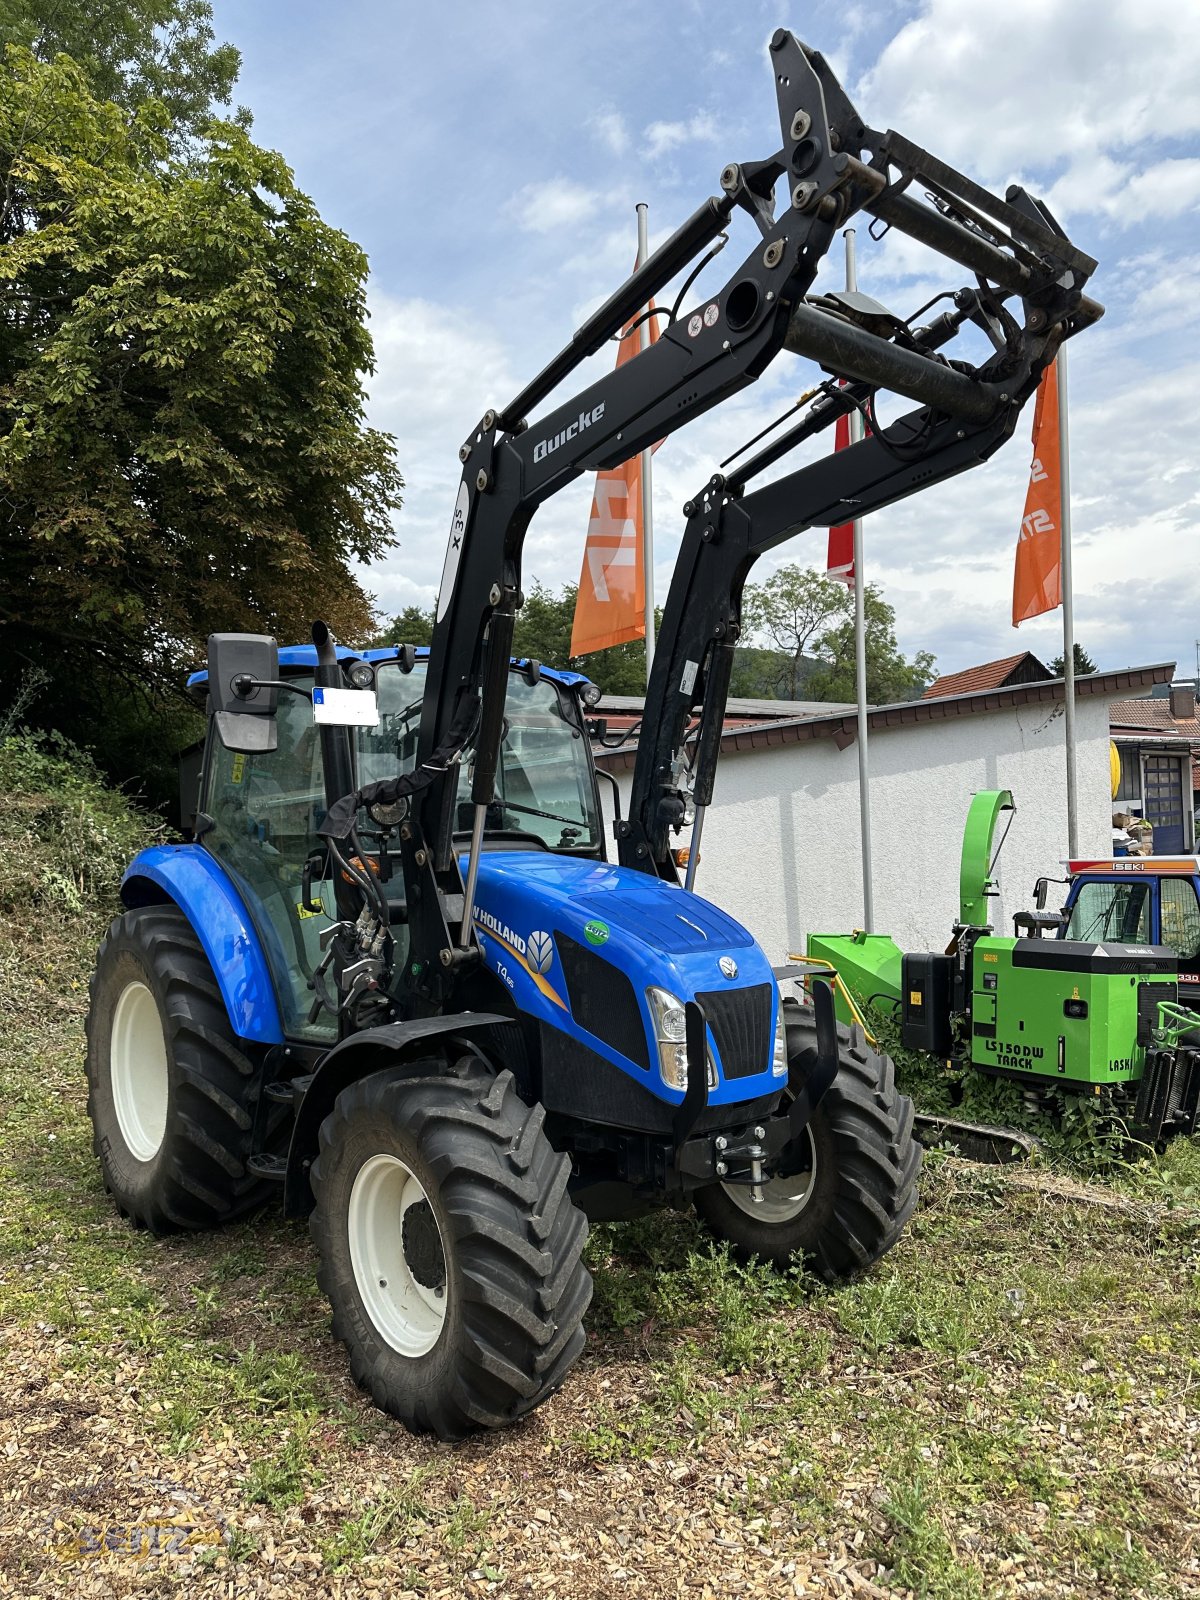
(392, 1045)
(199, 886)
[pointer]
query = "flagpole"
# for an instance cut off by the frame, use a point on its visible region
(647, 491)
(860, 655)
(1068, 607)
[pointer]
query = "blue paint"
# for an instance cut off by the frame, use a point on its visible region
(305, 655)
(656, 934)
(188, 875)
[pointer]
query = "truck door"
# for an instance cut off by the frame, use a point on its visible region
(1180, 930)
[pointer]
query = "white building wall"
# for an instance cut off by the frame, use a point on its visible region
(781, 849)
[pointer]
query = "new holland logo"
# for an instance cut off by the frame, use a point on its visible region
(547, 447)
(540, 950)
(728, 966)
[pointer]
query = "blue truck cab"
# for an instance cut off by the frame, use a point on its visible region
(1143, 900)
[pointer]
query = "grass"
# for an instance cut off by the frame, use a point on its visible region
(1006, 1405)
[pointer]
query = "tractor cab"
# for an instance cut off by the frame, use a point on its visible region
(1144, 900)
(259, 811)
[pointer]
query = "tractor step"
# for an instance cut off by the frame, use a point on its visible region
(289, 1091)
(272, 1168)
(978, 1141)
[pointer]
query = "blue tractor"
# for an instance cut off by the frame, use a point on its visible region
(395, 975)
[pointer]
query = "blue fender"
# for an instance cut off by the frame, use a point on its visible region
(394, 1044)
(200, 887)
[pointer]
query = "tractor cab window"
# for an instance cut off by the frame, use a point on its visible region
(545, 791)
(265, 810)
(1111, 913)
(1181, 921)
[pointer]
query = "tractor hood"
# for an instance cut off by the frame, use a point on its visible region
(579, 942)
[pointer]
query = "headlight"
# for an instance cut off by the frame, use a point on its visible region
(670, 1029)
(591, 694)
(779, 1063)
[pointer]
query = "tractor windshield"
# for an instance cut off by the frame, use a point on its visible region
(545, 791)
(1111, 913)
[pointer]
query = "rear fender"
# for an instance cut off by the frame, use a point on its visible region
(396, 1044)
(199, 886)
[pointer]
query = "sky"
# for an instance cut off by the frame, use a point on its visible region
(489, 160)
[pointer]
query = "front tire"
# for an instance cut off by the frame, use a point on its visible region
(449, 1248)
(854, 1186)
(171, 1091)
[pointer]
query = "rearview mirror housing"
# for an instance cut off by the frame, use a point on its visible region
(242, 694)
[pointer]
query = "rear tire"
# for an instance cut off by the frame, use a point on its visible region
(449, 1248)
(857, 1184)
(171, 1091)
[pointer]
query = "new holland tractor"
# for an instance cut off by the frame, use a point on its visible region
(396, 977)
(1096, 1007)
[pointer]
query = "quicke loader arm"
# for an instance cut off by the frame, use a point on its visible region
(834, 166)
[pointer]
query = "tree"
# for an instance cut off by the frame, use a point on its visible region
(134, 51)
(793, 609)
(808, 619)
(182, 437)
(890, 676)
(1083, 662)
(410, 626)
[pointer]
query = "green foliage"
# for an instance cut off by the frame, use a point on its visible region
(134, 51)
(182, 443)
(65, 837)
(808, 619)
(410, 626)
(1083, 661)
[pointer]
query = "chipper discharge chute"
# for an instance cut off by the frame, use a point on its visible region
(395, 973)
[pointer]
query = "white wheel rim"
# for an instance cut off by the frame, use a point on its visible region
(138, 1066)
(408, 1313)
(783, 1198)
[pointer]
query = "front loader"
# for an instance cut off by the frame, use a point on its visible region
(396, 976)
(1082, 1014)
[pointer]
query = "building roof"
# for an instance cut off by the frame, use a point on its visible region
(839, 722)
(1154, 716)
(1022, 668)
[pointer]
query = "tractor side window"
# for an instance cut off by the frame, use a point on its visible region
(1181, 920)
(1111, 913)
(265, 810)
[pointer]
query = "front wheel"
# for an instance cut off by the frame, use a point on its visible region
(852, 1182)
(449, 1248)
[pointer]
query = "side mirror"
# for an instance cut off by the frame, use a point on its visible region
(242, 669)
(1041, 888)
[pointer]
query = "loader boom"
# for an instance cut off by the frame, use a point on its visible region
(831, 165)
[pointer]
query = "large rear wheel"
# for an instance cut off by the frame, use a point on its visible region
(852, 1174)
(172, 1093)
(449, 1248)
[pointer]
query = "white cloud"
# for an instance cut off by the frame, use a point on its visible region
(1038, 83)
(555, 203)
(611, 129)
(661, 137)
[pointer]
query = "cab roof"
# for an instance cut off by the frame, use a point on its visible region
(295, 656)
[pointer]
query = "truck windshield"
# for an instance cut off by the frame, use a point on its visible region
(544, 787)
(1111, 913)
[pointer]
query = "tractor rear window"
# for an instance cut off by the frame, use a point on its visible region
(1111, 913)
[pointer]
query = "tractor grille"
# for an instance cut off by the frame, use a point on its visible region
(602, 1000)
(741, 1023)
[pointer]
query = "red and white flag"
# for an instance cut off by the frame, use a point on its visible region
(840, 562)
(611, 604)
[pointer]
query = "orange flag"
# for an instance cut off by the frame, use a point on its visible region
(611, 605)
(1037, 577)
